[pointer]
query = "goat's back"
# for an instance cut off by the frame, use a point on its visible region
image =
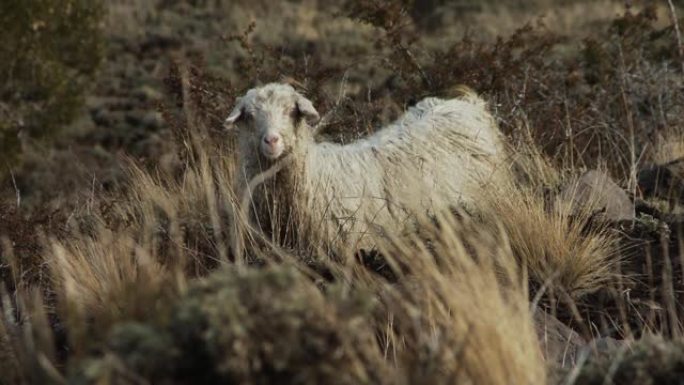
(439, 154)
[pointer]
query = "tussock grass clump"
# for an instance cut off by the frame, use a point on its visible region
(453, 315)
(107, 277)
(185, 219)
(566, 249)
(571, 253)
(130, 308)
(562, 249)
(456, 307)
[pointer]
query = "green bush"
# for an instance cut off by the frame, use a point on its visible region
(51, 50)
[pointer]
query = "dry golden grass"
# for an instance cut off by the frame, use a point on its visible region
(458, 308)
(96, 275)
(456, 313)
(554, 244)
(563, 248)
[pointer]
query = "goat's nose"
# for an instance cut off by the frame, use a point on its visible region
(271, 139)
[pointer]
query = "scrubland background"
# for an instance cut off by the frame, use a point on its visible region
(115, 197)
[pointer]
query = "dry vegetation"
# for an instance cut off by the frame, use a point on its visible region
(116, 259)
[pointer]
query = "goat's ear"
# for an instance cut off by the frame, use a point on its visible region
(234, 115)
(307, 109)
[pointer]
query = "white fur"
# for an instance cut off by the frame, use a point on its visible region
(439, 154)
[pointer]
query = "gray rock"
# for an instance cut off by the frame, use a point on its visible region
(595, 191)
(605, 346)
(559, 344)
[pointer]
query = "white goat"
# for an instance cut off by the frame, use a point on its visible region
(439, 154)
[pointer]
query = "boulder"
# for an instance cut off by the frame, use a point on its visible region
(560, 345)
(595, 191)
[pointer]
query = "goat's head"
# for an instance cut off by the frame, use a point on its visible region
(273, 117)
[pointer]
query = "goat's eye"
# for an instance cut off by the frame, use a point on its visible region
(246, 116)
(295, 114)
